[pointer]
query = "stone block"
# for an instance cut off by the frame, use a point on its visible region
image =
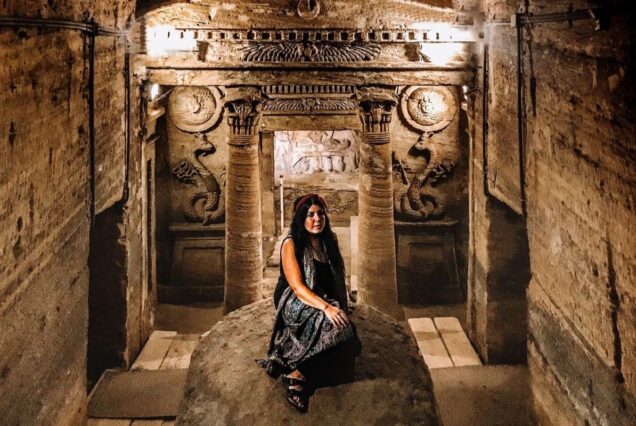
(198, 267)
(426, 263)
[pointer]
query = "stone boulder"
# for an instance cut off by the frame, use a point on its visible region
(225, 386)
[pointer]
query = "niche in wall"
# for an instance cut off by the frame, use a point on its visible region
(325, 162)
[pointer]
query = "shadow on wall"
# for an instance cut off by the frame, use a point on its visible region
(107, 293)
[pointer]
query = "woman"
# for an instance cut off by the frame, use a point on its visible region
(311, 307)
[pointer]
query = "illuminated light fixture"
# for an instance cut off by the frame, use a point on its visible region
(439, 53)
(162, 40)
(154, 91)
(443, 31)
(466, 89)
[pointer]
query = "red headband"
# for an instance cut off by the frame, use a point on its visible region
(302, 200)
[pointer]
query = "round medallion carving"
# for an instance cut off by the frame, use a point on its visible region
(428, 108)
(308, 9)
(195, 108)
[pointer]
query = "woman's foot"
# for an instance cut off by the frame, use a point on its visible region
(296, 389)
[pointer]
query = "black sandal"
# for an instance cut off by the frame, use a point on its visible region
(298, 398)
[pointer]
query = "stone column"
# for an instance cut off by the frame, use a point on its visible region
(376, 238)
(243, 223)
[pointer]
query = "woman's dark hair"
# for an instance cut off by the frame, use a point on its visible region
(300, 236)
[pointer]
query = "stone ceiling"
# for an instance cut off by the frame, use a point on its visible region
(292, 13)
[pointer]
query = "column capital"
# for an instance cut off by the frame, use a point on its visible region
(376, 109)
(242, 110)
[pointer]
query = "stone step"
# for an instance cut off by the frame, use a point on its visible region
(456, 342)
(430, 343)
(154, 350)
(179, 352)
(443, 343)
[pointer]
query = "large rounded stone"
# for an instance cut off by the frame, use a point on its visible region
(226, 387)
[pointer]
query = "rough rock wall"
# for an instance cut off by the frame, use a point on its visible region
(581, 218)
(44, 213)
(110, 116)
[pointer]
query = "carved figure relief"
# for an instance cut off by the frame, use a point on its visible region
(428, 108)
(207, 203)
(290, 51)
(306, 152)
(195, 108)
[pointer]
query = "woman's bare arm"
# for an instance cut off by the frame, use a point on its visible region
(292, 272)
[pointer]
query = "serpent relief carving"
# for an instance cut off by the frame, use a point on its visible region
(207, 206)
(428, 109)
(421, 198)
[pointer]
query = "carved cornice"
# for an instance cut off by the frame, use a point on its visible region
(294, 90)
(310, 52)
(460, 33)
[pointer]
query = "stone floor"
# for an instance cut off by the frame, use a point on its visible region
(487, 395)
(480, 395)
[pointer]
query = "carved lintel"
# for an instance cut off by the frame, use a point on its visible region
(376, 110)
(242, 111)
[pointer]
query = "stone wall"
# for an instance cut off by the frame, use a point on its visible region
(581, 220)
(45, 213)
(498, 262)
(579, 180)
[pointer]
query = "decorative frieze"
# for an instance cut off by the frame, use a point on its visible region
(306, 105)
(332, 90)
(435, 34)
(310, 52)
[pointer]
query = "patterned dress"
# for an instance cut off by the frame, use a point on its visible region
(301, 332)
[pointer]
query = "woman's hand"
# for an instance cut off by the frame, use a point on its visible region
(337, 316)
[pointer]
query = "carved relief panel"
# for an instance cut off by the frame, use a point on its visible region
(425, 163)
(308, 152)
(196, 155)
